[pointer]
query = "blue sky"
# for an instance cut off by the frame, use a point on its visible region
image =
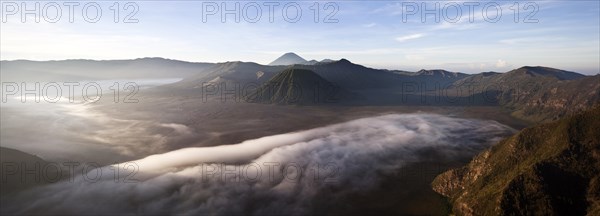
(373, 33)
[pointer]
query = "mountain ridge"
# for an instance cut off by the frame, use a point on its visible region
(532, 93)
(526, 174)
(547, 72)
(535, 93)
(83, 69)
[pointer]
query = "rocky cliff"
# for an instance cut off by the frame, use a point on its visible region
(549, 169)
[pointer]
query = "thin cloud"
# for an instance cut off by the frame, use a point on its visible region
(390, 9)
(500, 63)
(409, 37)
(369, 25)
(531, 40)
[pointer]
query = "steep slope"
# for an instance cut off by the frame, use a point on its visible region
(289, 59)
(297, 86)
(534, 93)
(550, 169)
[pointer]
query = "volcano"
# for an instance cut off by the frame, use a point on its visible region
(289, 59)
(297, 86)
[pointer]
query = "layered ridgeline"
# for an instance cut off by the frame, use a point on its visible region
(83, 69)
(298, 86)
(549, 169)
(357, 77)
(537, 94)
(342, 72)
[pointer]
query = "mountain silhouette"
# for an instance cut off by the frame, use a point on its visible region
(289, 59)
(297, 86)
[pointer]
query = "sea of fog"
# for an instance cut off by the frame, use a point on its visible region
(285, 174)
(58, 123)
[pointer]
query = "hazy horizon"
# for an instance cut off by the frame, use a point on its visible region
(399, 67)
(380, 34)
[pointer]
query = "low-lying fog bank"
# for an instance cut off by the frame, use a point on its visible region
(314, 171)
(58, 123)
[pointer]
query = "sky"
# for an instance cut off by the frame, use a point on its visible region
(380, 34)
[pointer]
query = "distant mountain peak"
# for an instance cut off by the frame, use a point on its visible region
(289, 58)
(344, 61)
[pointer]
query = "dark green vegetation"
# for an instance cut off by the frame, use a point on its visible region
(549, 169)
